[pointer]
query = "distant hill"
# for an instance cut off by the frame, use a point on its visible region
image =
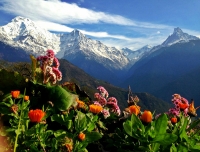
(169, 70)
(89, 84)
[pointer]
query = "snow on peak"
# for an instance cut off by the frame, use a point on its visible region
(77, 43)
(24, 33)
(134, 56)
(177, 37)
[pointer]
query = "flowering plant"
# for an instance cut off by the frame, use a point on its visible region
(170, 131)
(47, 116)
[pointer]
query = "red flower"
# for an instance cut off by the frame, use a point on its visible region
(173, 120)
(15, 94)
(183, 106)
(36, 115)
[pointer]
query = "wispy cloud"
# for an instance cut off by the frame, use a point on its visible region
(55, 15)
(51, 26)
(67, 13)
(61, 12)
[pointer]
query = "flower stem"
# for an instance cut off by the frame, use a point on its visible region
(17, 132)
(41, 143)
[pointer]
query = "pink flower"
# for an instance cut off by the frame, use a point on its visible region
(106, 113)
(112, 99)
(174, 111)
(51, 74)
(103, 91)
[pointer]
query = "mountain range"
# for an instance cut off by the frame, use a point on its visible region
(100, 61)
(160, 70)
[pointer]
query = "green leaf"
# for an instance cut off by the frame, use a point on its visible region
(183, 133)
(80, 121)
(165, 139)
(161, 124)
(182, 148)
(91, 126)
(134, 127)
(92, 136)
(173, 148)
(128, 127)
(26, 103)
(61, 99)
(62, 119)
(58, 133)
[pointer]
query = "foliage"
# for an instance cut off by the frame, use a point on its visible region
(41, 116)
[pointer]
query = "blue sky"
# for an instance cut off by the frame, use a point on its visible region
(116, 23)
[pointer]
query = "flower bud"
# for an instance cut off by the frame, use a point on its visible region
(146, 116)
(26, 98)
(134, 109)
(81, 136)
(173, 120)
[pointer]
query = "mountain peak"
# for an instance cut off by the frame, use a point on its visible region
(20, 19)
(177, 37)
(76, 33)
(177, 30)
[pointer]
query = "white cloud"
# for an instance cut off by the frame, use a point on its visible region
(59, 16)
(61, 12)
(54, 26)
(134, 43)
(67, 13)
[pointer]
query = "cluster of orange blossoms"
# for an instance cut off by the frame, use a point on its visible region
(15, 94)
(146, 115)
(95, 108)
(36, 115)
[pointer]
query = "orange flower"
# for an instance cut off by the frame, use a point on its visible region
(15, 94)
(134, 109)
(173, 120)
(183, 106)
(95, 108)
(36, 115)
(146, 116)
(69, 147)
(26, 98)
(81, 136)
(81, 104)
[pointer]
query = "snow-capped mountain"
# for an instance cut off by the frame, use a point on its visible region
(178, 36)
(24, 33)
(136, 55)
(78, 44)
